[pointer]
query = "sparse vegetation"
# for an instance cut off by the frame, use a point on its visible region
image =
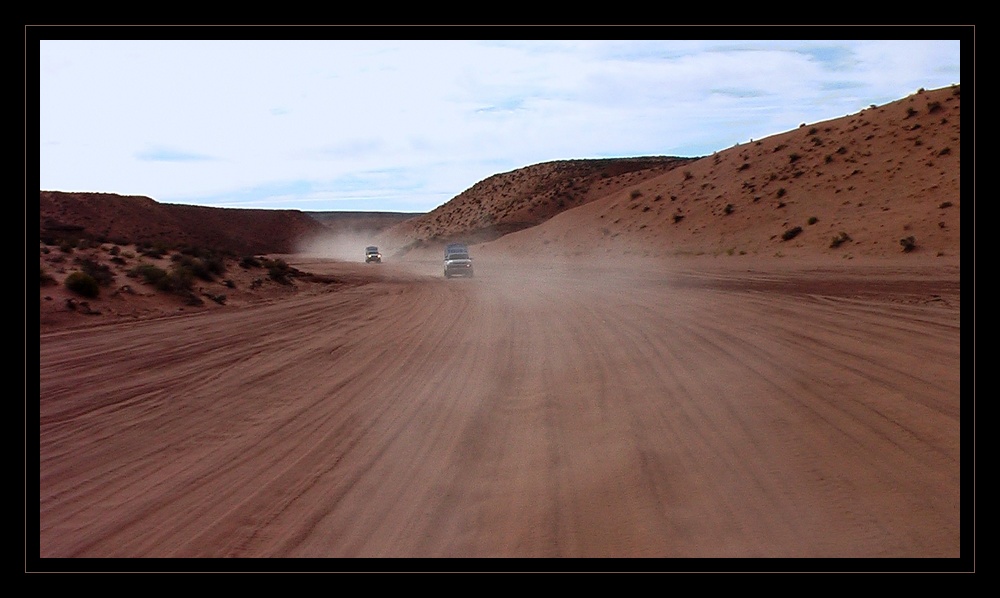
(179, 280)
(101, 273)
(250, 261)
(945, 204)
(205, 268)
(839, 240)
(45, 279)
(791, 233)
(83, 284)
(908, 243)
(148, 273)
(154, 252)
(812, 220)
(279, 271)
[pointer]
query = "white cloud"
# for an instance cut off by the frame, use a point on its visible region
(406, 125)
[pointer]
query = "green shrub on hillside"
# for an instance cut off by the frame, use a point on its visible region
(99, 272)
(83, 284)
(791, 233)
(204, 268)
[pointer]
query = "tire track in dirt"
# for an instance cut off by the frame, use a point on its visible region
(551, 412)
(827, 408)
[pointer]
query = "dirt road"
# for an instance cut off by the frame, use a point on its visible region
(553, 411)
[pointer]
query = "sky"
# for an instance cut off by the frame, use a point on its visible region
(407, 125)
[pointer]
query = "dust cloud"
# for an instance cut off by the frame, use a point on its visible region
(340, 246)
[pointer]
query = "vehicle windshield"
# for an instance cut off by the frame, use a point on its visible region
(458, 256)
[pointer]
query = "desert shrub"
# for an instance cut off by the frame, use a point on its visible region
(279, 271)
(678, 218)
(781, 192)
(99, 272)
(154, 251)
(45, 279)
(791, 233)
(194, 251)
(794, 157)
(813, 220)
(148, 273)
(909, 244)
(728, 209)
(154, 275)
(945, 204)
(203, 268)
(839, 240)
(250, 261)
(636, 194)
(83, 284)
(179, 280)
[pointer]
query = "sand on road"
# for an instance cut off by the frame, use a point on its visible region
(536, 410)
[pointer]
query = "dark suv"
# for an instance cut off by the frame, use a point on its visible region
(372, 255)
(457, 261)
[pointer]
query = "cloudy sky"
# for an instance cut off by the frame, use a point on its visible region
(406, 125)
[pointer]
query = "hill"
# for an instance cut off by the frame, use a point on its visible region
(876, 183)
(119, 219)
(860, 185)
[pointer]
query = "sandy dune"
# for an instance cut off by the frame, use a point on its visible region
(720, 408)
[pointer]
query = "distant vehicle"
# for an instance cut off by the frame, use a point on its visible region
(457, 261)
(372, 255)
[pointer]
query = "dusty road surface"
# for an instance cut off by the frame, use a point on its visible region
(536, 411)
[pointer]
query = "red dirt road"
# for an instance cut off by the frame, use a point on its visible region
(559, 411)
